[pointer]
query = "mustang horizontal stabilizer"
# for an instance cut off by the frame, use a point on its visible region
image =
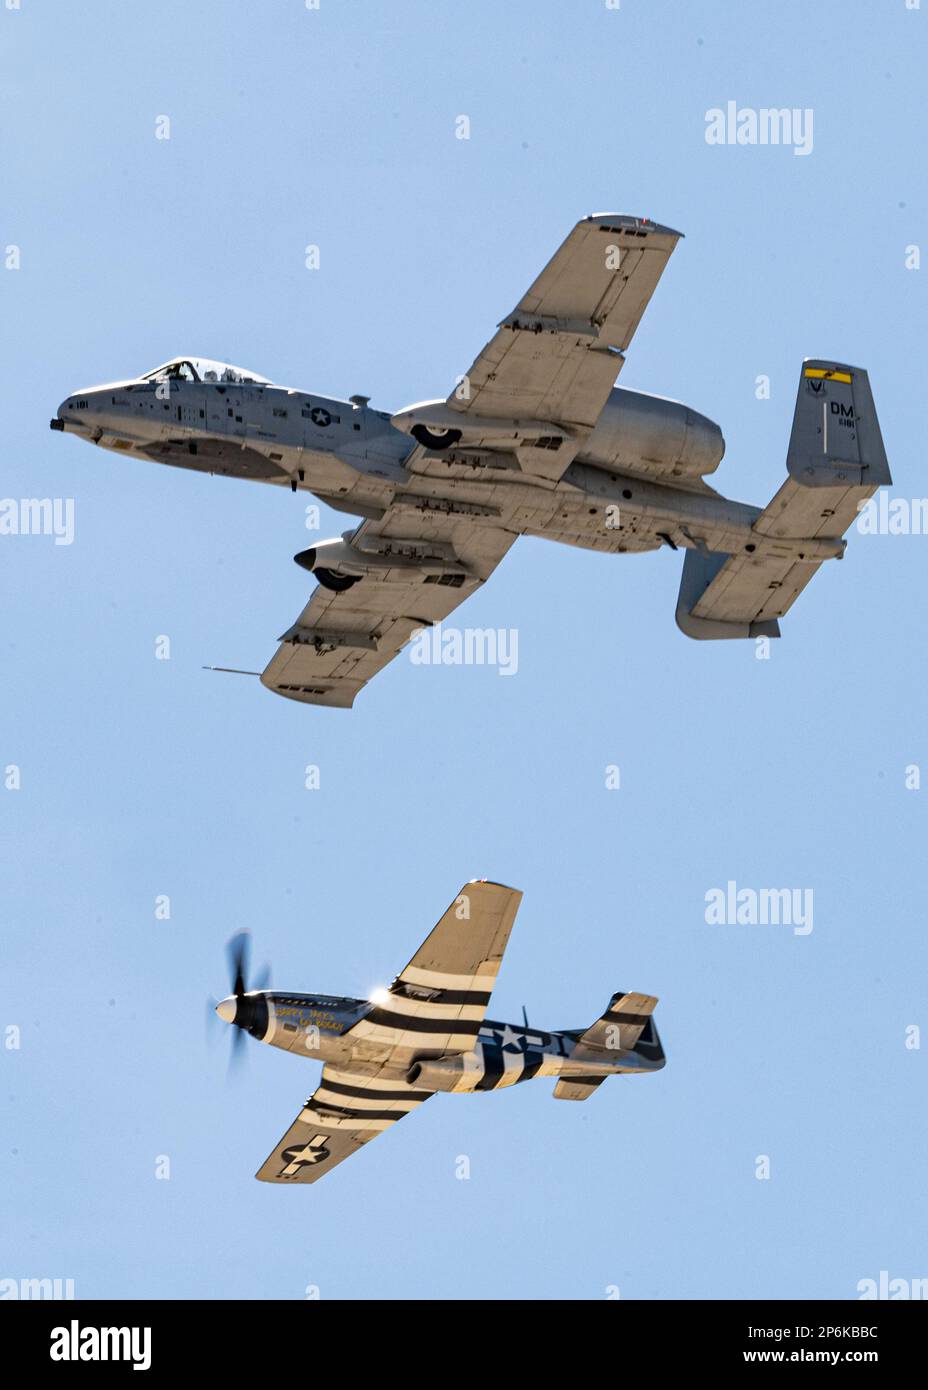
(624, 1036)
(836, 461)
(622, 1024)
(577, 1088)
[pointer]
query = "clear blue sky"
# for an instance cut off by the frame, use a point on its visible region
(144, 777)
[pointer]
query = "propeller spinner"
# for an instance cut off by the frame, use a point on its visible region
(245, 1009)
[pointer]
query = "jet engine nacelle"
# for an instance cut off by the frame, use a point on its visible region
(338, 564)
(334, 563)
(435, 425)
(462, 1072)
(636, 430)
(337, 554)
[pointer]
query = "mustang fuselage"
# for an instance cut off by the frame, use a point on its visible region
(327, 1029)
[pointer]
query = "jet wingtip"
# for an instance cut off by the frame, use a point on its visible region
(623, 220)
(492, 883)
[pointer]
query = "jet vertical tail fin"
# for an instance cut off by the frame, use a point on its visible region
(836, 461)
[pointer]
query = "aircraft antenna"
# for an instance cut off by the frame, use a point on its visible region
(231, 670)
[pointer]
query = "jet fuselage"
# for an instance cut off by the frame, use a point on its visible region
(635, 484)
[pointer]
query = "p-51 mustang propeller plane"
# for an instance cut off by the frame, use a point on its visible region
(535, 440)
(427, 1033)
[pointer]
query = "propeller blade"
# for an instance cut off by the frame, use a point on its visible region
(238, 951)
(238, 962)
(237, 1052)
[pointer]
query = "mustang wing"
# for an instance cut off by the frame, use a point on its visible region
(557, 355)
(341, 640)
(436, 1005)
(347, 1110)
(439, 1001)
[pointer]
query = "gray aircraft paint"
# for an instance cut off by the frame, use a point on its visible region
(536, 441)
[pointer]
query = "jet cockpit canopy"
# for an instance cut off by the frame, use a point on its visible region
(204, 369)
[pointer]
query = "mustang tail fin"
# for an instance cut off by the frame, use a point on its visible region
(836, 461)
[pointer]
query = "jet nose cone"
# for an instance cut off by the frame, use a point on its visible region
(62, 414)
(226, 1009)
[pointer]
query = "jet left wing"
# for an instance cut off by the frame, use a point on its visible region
(346, 1111)
(416, 569)
(557, 355)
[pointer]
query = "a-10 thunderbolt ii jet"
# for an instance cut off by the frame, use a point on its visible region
(427, 1033)
(535, 440)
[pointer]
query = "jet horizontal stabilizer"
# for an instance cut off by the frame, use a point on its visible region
(836, 461)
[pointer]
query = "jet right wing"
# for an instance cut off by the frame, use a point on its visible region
(344, 637)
